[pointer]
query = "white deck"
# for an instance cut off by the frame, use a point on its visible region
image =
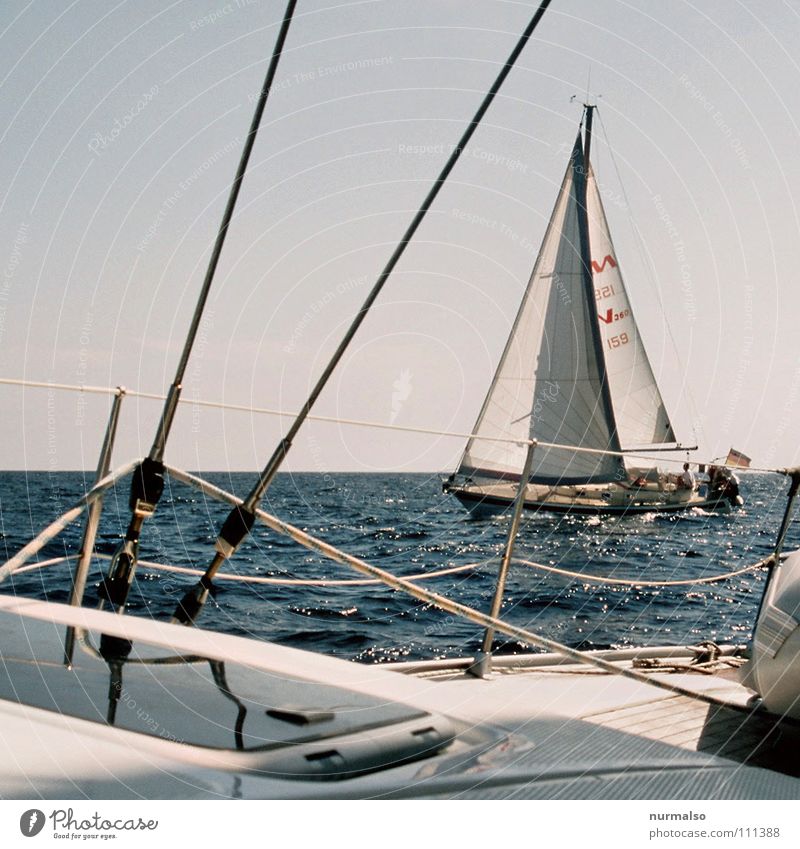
(557, 731)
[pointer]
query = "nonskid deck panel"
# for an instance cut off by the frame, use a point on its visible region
(749, 737)
(725, 721)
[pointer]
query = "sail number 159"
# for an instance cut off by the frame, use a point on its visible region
(616, 341)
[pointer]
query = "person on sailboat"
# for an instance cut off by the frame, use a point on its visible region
(725, 485)
(687, 480)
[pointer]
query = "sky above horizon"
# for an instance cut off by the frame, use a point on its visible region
(124, 126)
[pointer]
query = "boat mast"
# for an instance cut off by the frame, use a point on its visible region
(582, 181)
(587, 142)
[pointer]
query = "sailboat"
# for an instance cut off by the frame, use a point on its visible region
(575, 378)
(96, 703)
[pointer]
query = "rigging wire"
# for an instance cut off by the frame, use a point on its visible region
(168, 415)
(242, 517)
(644, 257)
(147, 483)
(247, 408)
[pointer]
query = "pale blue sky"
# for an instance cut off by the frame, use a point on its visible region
(123, 126)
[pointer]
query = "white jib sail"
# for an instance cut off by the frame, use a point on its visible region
(639, 410)
(549, 383)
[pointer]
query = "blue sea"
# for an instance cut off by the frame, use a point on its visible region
(404, 523)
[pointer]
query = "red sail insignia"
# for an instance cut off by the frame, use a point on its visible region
(597, 268)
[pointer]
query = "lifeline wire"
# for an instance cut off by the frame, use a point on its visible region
(245, 408)
(420, 576)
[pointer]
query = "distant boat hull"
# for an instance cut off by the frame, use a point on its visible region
(591, 501)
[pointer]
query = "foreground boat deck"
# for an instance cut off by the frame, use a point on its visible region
(284, 723)
(737, 730)
(742, 737)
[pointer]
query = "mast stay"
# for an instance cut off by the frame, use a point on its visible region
(241, 519)
(147, 480)
(640, 413)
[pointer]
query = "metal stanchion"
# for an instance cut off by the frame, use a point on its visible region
(92, 522)
(483, 659)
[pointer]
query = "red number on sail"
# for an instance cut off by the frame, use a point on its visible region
(613, 316)
(607, 259)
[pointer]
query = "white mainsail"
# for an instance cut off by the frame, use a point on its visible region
(639, 410)
(551, 381)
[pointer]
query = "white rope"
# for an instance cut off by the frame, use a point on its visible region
(258, 579)
(219, 405)
(420, 576)
(636, 583)
(68, 387)
(65, 519)
(53, 561)
(302, 582)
